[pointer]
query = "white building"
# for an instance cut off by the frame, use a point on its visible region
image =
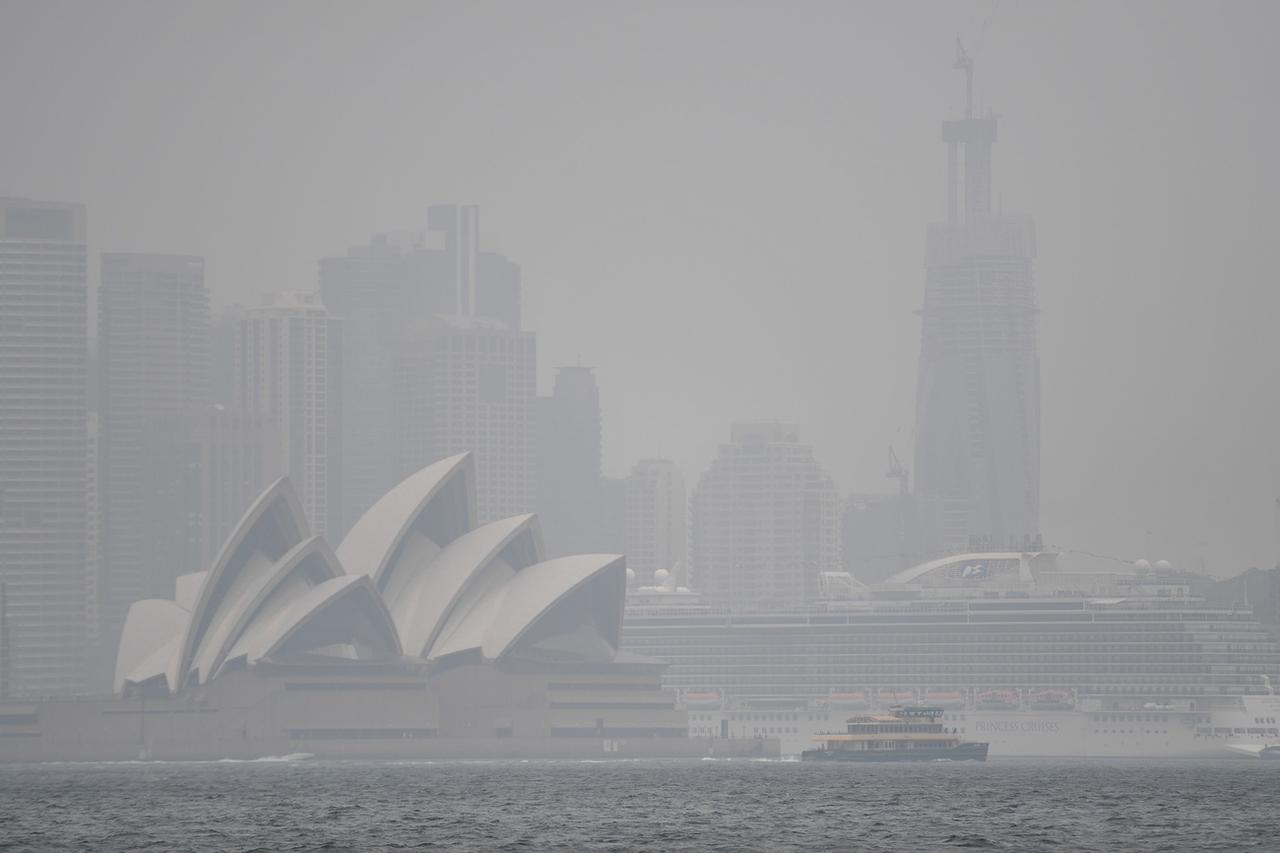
(288, 360)
(43, 455)
(656, 533)
(414, 580)
(766, 521)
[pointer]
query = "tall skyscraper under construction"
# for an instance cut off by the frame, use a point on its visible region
(978, 398)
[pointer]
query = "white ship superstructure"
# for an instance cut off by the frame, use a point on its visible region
(1039, 654)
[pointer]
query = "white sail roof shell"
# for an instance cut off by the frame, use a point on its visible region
(187, 589)
(422, 607)
(271, 632)
(372, 543)
(242, 567)
(412, 575)
(497, 623)
(148, 643)
(306, 565)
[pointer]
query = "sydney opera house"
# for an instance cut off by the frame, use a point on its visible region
(422, 634)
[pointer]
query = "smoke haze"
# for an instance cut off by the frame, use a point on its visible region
(722, 206)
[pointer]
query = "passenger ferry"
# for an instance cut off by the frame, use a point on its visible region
(904, 734)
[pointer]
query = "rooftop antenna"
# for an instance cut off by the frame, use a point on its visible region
(964, 62)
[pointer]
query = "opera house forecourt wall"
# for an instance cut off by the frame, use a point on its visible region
(421, 635)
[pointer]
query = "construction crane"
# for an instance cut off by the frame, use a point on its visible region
(897, 471)
(964, 62)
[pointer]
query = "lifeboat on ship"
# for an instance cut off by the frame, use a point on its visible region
(854, 700)
(947, 699)
(1052, 700)
(896, 697)
(996, 700)
(702, 699)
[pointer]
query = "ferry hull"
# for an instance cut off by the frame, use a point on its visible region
(961, 752)
(1133, 733)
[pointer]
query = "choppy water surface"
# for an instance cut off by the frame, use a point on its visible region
(641, 806)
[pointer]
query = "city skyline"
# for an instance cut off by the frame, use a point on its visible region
(601, 421)
(1086, 188)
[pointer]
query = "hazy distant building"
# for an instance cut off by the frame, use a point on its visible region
(238, 454)
(386, 292)
(765, 521)
(289, 361)
(978, 397)
(215, 460)
(97, 644)
(224, 331)
(878, 535)
(468, 384)
(611, 535)
(43, 445)
(656, 520)
(484, 284)
(369, 289)
(569, 459)
(153, 346)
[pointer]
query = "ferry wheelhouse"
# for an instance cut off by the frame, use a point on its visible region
(904, 734)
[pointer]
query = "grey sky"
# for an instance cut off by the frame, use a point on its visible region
(722, 206)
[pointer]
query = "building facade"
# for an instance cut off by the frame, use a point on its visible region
(879, 535)
(289, 365)
(569, 461)
(368, 288)
(43, 446)
(977, 458)
(765, 521)
(238, 454)
(468, 384)
(656, 520)
(153, 345)
(386, 294)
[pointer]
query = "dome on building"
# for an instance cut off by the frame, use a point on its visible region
(415, 580)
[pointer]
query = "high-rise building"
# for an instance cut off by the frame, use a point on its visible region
(611, 536)
(766, 521)
(289, 365)
(468, 383)
(368, 288)
(476, 282)
(978, 397)
(153, 346)
(224, 331)
(44, 301)
(237, 455)
(656, 531)
(385, 293)
(96, 657)
(569, 459)
(878, 535)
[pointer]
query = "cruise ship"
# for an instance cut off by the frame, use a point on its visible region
(1039, 654)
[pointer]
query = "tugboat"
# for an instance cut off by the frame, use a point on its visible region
(904, 734)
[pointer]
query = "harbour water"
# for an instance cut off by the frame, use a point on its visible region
(705, 805)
